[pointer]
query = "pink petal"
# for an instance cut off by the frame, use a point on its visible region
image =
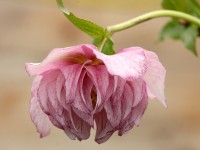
(88, 118)
(48, 100)
(104, 129)
(83, 108)
(39, 118)
(60, 88)
(72, 74)
(70, 133)
(101, 80)
(139, 105)
(135, 115)
(82, 128)
(119, 105)
(43, 92)
(128, 63)
(68, 125)
(139, 110)
(86, 86)
(113, 111)
(138, 89)
(127, 101)
(119, 84)
(40, 68)
(155, 77)
(61, 57)
(79, 102)
(51, 91)
(74, 127)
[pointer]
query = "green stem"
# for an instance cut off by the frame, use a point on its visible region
(102, 44)
(155, 14)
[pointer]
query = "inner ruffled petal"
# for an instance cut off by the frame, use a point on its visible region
(104, 129)
(48, 98)
(135, 115)
(39, 118)
(51, 91)
(72, 74)
(103, 84)
(118, 107)
(81, 127)
(42, 92)
(138, 88)
(88, 93)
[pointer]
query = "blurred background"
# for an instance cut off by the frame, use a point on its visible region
(30, 29)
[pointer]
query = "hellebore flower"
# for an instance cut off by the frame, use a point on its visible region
(79, 88)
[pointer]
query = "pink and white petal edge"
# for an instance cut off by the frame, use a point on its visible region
(39, 118)
(128, 64)
(155, 77)
(59, 57)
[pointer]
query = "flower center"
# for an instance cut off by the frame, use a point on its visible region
(79, 58)
(97, 62)
(76, 58)
(93, 97)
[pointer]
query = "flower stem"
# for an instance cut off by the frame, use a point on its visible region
(155, 14)
(102, 44)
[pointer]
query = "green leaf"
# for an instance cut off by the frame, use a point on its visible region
(186, 32)
(86, 26)
(188, 6)
(98, 33)
(189, 37)
(172, 29)
(107, 47)
(97, 41)
(173, 5)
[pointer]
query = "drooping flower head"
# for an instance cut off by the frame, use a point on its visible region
(79, 88)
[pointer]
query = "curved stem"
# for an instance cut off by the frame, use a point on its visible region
(155, 14)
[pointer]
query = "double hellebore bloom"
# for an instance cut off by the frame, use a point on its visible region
(79, 88)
